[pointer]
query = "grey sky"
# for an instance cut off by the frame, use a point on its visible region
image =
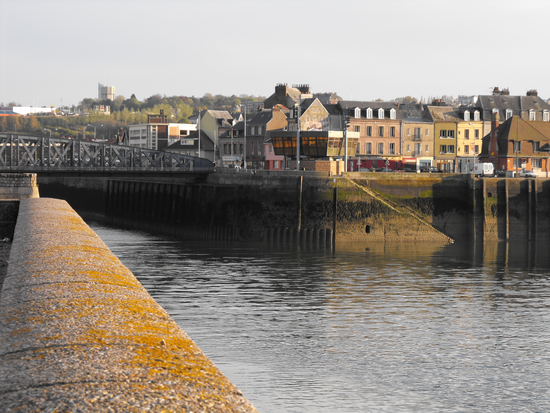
(56, 51)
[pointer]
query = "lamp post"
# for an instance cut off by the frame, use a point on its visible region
(244, 128)
(94, 129)
(199, 144)
(232, 159)
(298, 134)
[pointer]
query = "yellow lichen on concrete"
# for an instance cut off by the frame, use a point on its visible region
(71, 313)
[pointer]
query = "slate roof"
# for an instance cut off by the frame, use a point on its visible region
(239, 126)
(222, 117)
(516, 103)
(262, 118)
(537, 131)
(206, 143)
(443, 114)
(349, 107)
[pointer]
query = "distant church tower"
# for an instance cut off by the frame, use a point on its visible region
(105, 92)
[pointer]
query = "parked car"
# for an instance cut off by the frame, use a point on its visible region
(431, 169)
(526, 173)
(500, 172)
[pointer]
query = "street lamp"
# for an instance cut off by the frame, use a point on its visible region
(298, 134)
(94, 129)
(199, 147)
(244, 155)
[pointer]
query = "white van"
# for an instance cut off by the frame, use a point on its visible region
(484, 169)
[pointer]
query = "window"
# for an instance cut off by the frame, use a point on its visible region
(450, 134)
(380, 148)
(380, 113)
(408, 148)
(516, 146)
(392, 113)
(443, 149)
(537, 163)
(369, 148)
(380, 131)
(357, 113)
(477, 148)
(450, 149)
(466, 115)
(509, 113)
(259, 130)
(467, 134)
(392, 131)
(476, 133)
(392, 148)
(427, 148)
(466, 149)
(275, 164)
(270, 148)
(417, 132)
(408, 131)
(417, 148)
(546, 116)
(476, 115)
(427, 132)
(532, 115)
(357, 128)
(369, 113)
(252, 130)
(442, 133)
(536, 146)
(369, 130)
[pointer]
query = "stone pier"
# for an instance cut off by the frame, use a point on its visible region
(78, 332)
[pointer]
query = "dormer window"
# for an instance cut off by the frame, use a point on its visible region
(546, 116)
(509, 113)
(357, 113)
(467, 115)
(380, 113)
(369, 113)
(532, 115)
(476, 115)
(392, 113)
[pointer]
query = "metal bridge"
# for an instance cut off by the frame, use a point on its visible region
(18, 152)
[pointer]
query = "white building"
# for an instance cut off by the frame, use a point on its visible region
(105, 92)
(33, 110)
(158, 135)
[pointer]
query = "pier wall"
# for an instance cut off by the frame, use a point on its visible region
(239, 205)
(78, 332)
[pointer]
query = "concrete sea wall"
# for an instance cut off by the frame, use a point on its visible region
(18, 186)
(78, 332)
(313, 207)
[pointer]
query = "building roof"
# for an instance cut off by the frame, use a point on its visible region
(487, 103)
(443, 114)
(239, 126)
(5, 112)
(222, 117)
(327, 97)
(206, 143)
(262, 118)
(536, 131)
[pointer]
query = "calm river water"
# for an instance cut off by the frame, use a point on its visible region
(370, 328)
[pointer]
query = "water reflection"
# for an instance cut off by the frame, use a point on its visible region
(382, 327)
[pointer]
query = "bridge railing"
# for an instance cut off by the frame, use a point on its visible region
(21, 152)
